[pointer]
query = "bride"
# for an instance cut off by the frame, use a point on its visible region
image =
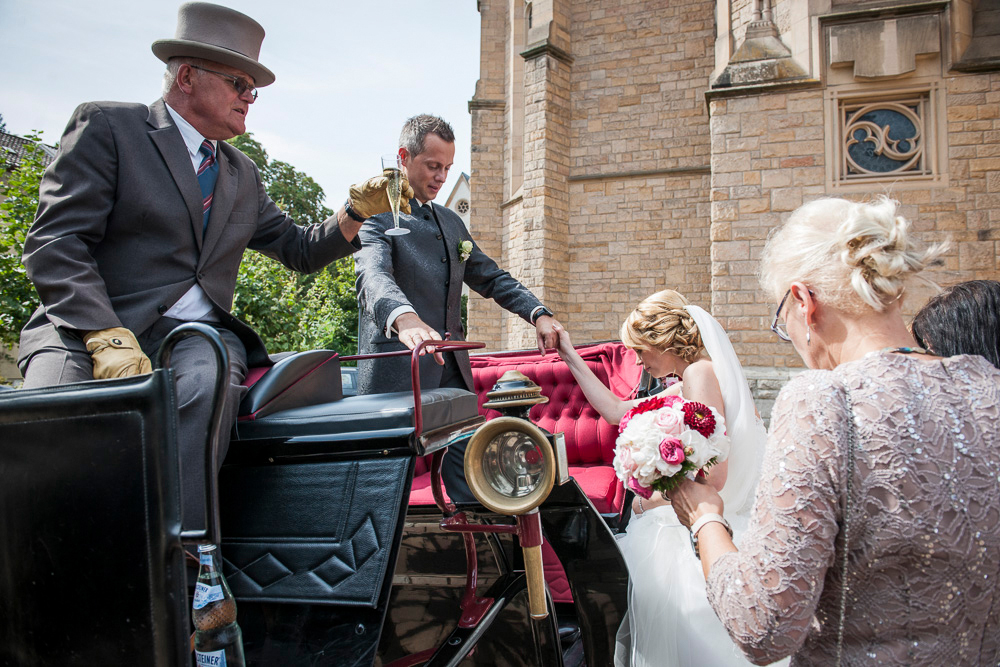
(669, 622)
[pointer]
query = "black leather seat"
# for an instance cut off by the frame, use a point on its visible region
(295, 379)
(365, 417)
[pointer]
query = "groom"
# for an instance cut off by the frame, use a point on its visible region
(410, 287)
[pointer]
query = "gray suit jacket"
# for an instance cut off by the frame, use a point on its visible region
(118, 237)
(422, 270)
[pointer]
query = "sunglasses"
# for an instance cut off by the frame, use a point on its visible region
(239, 84)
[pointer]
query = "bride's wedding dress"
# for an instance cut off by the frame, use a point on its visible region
(669, 622)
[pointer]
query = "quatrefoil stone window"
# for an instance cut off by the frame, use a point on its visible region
(882, 137)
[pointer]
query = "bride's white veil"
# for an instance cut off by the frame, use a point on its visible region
(745, 429)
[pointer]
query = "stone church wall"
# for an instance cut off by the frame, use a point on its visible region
(624, 147)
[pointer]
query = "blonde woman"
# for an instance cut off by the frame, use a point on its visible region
(875, 535)
(669, 622)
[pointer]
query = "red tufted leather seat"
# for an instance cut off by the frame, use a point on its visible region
(590, 440)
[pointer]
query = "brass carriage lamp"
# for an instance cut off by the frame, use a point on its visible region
(511, 466)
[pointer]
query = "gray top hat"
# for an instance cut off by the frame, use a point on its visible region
(220, 34)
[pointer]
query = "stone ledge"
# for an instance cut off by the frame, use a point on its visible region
(671, 171)
(889, 11)
(762, 88)
(478, 105)
(546, 48)
(977, 65)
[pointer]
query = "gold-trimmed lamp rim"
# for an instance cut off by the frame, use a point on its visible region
(514, 389)
(476, 478)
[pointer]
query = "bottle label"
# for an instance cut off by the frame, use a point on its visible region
(205, 559)
(211, 658)
(203, 594)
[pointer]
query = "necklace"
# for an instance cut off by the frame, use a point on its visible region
(904, 350)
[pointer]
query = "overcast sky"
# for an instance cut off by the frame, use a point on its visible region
(348, 73)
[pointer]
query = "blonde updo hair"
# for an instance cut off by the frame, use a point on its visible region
(660, 322)
(854, 254)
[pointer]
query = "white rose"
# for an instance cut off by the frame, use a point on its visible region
(666, 469)
(646, 471)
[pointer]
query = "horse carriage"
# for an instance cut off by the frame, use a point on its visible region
(338, 539)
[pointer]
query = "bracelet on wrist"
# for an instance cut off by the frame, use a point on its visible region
(351, 213)
(702, 521)
(641, 510)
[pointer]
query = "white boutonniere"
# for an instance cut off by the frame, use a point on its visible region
(464, 250)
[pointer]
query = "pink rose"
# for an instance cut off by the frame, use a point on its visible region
(672, 451)
(671, 401)
(641, 490)
(669, 421)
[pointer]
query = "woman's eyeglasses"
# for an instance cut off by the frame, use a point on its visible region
(780, 328)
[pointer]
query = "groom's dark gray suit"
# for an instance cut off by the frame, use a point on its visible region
(119, 238)
(423, 269)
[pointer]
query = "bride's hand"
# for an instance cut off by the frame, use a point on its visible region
(692, 500)
(565, 345)
(656, 500)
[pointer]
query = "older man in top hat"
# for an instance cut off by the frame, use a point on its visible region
(142, 221)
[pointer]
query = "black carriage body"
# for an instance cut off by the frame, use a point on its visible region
(328, 560)
(91, 565)
(314, 501)
(331, 565)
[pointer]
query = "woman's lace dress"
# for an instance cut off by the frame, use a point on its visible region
(924, 527)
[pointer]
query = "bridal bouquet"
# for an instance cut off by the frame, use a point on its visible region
(665, 439)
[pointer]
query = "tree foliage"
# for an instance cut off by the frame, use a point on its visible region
(19, 195)
(289, 310)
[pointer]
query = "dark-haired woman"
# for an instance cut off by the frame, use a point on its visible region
(964, 319)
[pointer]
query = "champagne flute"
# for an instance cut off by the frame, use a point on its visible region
(392, 169)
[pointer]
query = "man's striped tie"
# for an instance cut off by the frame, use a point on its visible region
(208, 173)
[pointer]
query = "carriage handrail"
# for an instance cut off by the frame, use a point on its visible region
(451, 345)
(211, 532)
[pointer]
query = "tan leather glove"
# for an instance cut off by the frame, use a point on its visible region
(370, 198)
(116, 353)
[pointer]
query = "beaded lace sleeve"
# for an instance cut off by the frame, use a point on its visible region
(791, 540)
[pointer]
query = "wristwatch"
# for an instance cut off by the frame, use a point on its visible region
(351, 212)
(539, 312)
(700, 523)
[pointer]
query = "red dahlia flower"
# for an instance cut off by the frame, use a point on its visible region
(699, 417)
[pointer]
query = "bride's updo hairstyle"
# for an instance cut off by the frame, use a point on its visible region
(852, 254)
(661, 323)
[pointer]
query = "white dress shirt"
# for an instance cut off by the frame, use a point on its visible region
(195, 304)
